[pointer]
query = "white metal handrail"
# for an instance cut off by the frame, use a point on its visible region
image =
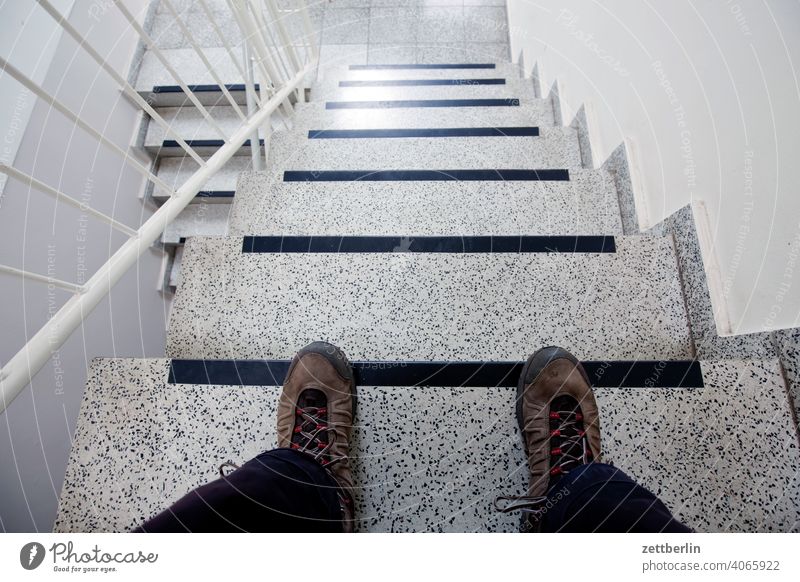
(259, 21)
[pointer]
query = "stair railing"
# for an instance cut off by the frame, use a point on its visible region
(278, 64)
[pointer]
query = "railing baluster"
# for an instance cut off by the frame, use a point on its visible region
(277, 21)
(240, 10)
(170, 69)
(19, 370)
(255, 142)
(126, 87)
(42, 279)
(7, 67)
(314, 51)
(190, 37)
(275, 88)
(60, 196)
(224, 41)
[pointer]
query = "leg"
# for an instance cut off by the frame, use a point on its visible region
(278, 491)
(306, 484)
(601, 498)
(570, 490)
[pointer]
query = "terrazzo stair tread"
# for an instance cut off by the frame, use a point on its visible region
(266, 205)
(193, 71)
(722, 457)
(555, 147)
(203, 147)
(343, 72)
(512, 89)
(445, 306)
(190, 124)
(198, 220)
(316, 116)
(175, 171)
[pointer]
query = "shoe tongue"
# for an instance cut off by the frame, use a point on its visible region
(312, 398)
(565, 404)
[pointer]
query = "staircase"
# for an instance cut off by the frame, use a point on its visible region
(434, 221)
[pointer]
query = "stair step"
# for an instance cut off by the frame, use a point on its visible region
(434, 458)
(418, 66)
(341, 72)
(157, 86)
(414, 103)
(191, 126)
(316, 116)
(553, 148)
(198, 220)
(203, 147)
(586, 204)
(192, 70)
(415, 305)
(219, 188)
(424, 89)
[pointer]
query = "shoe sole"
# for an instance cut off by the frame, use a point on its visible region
(337, 358)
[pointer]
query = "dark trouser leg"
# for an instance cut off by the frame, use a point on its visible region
(600, 498)
(278, 491)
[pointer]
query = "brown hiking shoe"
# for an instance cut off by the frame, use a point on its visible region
(560, 426)
(316, 411)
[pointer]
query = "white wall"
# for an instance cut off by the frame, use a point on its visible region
(59, 241)
(707, 94)
(32, 54)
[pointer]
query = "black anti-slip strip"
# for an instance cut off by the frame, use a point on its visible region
(200, 88)
(201, 143)
(426, 66)
(421, 82)
(510, 102)
(215, 194)
(429, 244)
(614, 374)
(431, 132)
(426, 175)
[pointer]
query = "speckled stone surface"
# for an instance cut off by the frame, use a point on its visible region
(502, 68)
(189, 66)
(200, 219)
(315, 116)
(175, 171)
(175, 268)
(190, 124)
(553, 148)
(555, 99)
(708, 344)
(168, 35)
(788, 343)
(619, 166)
(536, 80)
(468, 89)
(723, 458)
(581, 126)
(434, 458)
(586, 204)
(619, 305)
